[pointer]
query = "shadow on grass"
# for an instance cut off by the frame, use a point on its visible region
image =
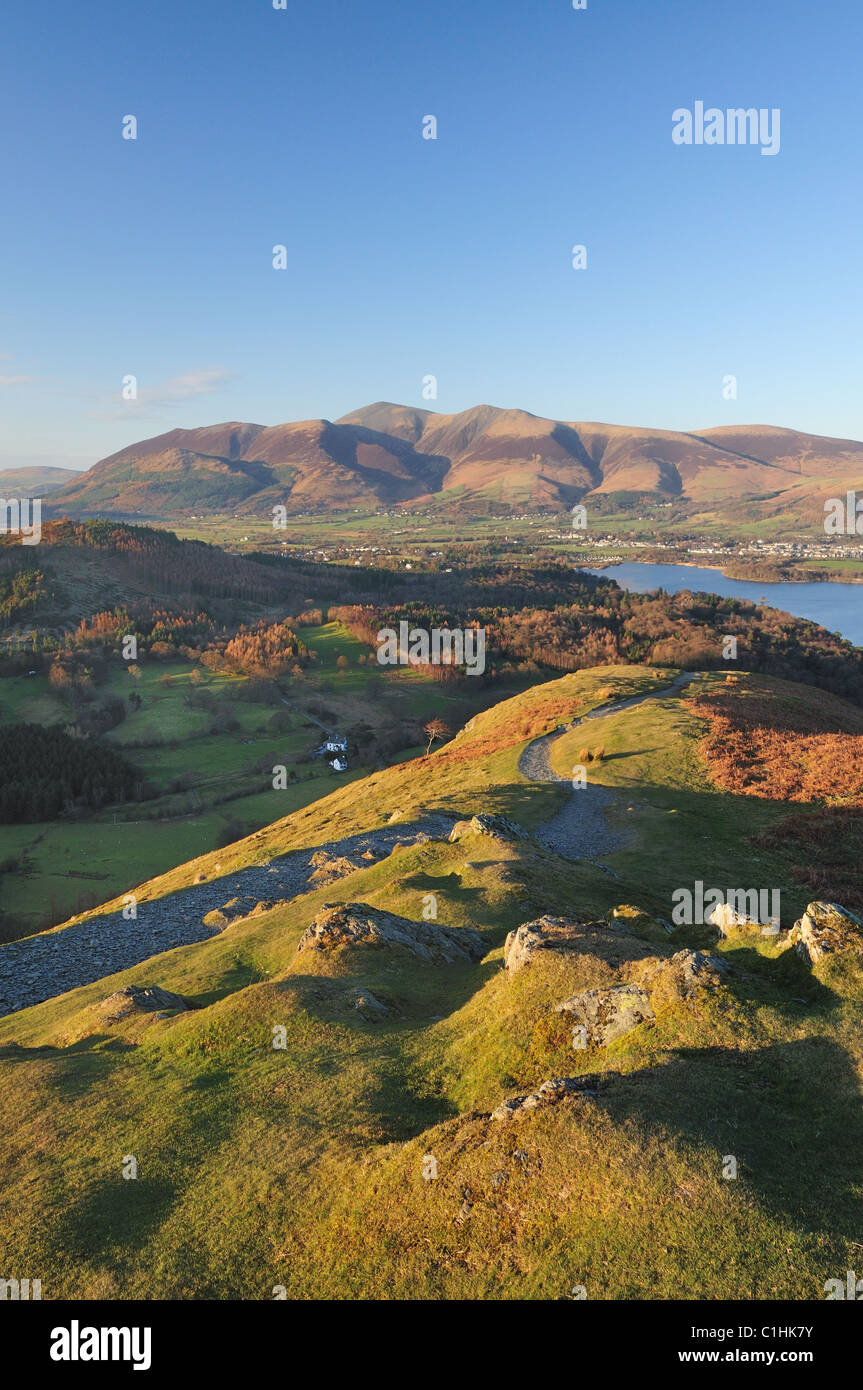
(790, 1114)
(113, 1217)
(414, 990)
(113, 1214)
(241, 976)
(403, 1110)
(758, 979)
(77, 1068)
(632, 753)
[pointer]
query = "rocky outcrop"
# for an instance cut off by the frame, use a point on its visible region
(498, 827)
(549, 1093)
(608, 1014)
(358, 924)
(686, 972)
(234, 910)
(824, 929)
(368, 1005)
(142, 999)
(461, 827)
(330, 868)
(729, 922)
(556, 934)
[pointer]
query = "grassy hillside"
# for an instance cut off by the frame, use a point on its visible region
(307, 1168)
(204, 783)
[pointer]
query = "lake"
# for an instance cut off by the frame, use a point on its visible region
(838, 607)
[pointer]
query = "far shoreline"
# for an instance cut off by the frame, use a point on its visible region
(795, 575)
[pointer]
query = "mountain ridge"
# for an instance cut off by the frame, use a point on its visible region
(387, 454)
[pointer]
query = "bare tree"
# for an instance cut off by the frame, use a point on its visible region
(435, 728)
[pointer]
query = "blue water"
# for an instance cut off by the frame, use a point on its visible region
(838, 607)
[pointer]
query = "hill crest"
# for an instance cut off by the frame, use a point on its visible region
(387, 454)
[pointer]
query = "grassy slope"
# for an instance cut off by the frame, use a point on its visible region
(303, 1167)
(682, 828)
(219, 767)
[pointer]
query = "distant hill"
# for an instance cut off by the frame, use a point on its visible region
(35, 481)
(386, 454)
(100, 565)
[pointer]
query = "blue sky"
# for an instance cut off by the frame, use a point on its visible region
(409, 257)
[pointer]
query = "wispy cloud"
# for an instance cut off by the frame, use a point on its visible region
(16, 380)
(151, 401)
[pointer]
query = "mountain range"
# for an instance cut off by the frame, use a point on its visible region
(486, 457)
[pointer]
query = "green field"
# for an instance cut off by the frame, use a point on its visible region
(203, 782)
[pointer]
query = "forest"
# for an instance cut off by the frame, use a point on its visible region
(47, 771)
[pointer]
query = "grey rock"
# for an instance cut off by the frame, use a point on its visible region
(358, 924)
(552, 933)
(728, 921)
(608, 1014)
(688, 972)
(368, 1005)
(824, 929)
(498, 827)
(151, 999)
(549, 1093)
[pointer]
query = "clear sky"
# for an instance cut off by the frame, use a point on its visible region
(409, 257)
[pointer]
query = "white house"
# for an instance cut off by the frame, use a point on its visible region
(339, 764)
(336, 745)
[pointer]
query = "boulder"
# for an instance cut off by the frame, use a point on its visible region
(461, 827)
(824, 929)
(687, 972)
(728, 921)
(234, 910)
(608, 1014)
(549, 1093)
(145, 999)
(368, 1005)
(555, 933)
(358, 924)
(641, 923)
(498, 827)
(331, 870)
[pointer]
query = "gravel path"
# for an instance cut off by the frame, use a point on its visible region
(40, 967)
(580, 830)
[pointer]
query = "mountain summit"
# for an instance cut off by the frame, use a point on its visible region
(385, 454)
